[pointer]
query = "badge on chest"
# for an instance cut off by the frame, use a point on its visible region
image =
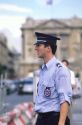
(47, 91)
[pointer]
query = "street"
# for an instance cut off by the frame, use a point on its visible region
(14, 99)
(77, 111)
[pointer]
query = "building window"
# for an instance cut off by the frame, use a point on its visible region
(64, 53)
(64, 40)
(64, 45)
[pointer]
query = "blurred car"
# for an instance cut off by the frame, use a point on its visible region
(2, 83)
(25, 86)
(11, 88)
(77, 90)
(9, 85)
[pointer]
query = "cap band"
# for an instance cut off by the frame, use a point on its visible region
(42, 41)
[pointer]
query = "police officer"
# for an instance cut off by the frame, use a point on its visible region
(54, 92)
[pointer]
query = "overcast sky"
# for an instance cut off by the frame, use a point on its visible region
(13, 14)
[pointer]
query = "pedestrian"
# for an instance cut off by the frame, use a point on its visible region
(73, 85)
(54, 91)
(72, 73)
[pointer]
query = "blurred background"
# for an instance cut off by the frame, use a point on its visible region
(18, 23)
(19, 20)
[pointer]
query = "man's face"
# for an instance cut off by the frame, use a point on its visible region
(41, 50)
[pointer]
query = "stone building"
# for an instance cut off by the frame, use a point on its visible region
(69, 47)
(3, 53)
(8, 59)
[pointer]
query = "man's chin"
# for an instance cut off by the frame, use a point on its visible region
(40, 57)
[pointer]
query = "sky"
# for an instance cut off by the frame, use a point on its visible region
(13, 14)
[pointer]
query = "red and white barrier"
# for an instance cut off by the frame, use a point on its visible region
(20, 115)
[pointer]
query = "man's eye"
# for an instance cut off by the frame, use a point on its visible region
(38, 45)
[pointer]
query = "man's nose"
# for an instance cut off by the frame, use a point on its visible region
(36, 47)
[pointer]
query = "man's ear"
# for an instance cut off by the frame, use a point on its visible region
(48, 47)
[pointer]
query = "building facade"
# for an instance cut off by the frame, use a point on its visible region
(69, 47)
(3, 53)
(8, 59)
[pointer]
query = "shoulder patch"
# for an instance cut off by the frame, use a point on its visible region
(58, 65)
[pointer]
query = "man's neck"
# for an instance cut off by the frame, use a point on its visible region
(47, 58)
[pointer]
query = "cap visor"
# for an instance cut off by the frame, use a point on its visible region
(37, 43)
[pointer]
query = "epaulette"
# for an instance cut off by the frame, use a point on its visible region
(58, 65)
